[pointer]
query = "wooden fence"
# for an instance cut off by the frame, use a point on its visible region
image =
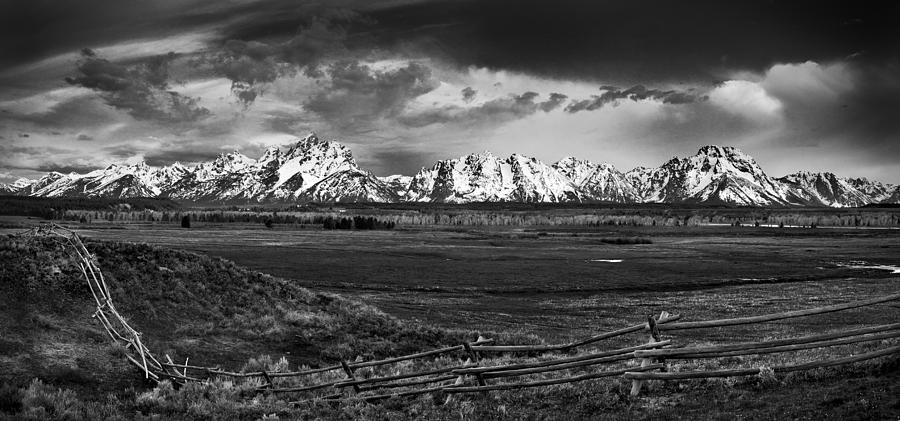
(468, 367)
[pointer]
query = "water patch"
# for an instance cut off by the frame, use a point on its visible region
(607, 260)
(858, 264)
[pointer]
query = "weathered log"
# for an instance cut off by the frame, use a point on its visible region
(406, 384)
(406, 393)
(790, 348)
(355, 382)
(556, 367)
(622, 351)
(507, 386)
(778, 316)
(303, 388)
(568, 346)
(753, 371)
(750, 346)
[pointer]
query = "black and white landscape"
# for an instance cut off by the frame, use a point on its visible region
(449, 209)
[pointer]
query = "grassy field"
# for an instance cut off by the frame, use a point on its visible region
(548, 281)
(544, 284)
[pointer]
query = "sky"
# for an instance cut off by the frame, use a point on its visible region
(799, 85)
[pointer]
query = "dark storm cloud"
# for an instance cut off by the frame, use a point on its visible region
(169, 157)
(847, 101)
(640, 41)
(495, 111)
(358, 94)
(556, 99)
(79, 112)
(61, 168)
(141, 90)
(166, 153)
(612, 94)
(38, 158)
(251, 64)
(630, 42)
(399, 160)
(468, 94)
(283, 122)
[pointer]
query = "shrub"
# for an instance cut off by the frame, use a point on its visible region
(10, 399)
(185, 221)
(42, 401)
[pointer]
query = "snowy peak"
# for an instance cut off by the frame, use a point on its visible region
(597, 182)
(313, 169)
(827, 189)
(398, 183)
(716, 174)
(484, 177)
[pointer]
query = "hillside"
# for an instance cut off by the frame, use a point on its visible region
(186, 305)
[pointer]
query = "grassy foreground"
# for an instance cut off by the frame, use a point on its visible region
(56, 363)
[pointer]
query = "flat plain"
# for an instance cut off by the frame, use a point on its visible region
(539, 284)
(556, 282)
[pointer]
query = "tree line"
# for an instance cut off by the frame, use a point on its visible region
(387, 219)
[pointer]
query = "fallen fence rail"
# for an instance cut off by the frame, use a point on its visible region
(778, 316)
(755, 371)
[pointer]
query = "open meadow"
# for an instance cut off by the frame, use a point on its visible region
(535, 284)
(553, 281)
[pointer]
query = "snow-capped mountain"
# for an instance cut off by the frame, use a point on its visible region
(16, 186)
(398, 183)
(597, 182)
(715, 174)
(827, 189)
(312, 169)
(137, 180)
(486, 178)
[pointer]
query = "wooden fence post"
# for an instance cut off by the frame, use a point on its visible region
(654, 337)
(349, 372)
(473, 357)
(265, 375)
(459, 381)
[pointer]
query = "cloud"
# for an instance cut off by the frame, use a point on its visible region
(400, 160)
(611, 95)
(43, 158)
(844, 104)
(468, 94)
(252, 65)
(556, 99)
(84, 137)
(495, 111)
(357, 94)
(141, 89)
(746, 98)
(637, 42)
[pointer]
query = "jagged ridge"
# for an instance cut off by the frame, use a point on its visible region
(325, 171)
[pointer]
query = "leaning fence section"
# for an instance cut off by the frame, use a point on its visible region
(474, 366)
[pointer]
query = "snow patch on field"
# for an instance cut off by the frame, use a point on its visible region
(867, 265)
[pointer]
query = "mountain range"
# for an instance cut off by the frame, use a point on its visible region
(316, 170)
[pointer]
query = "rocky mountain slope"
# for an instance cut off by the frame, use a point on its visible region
(487, 178)
(310, 170)
(830, 190)
(714, 175)
(325, 171)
